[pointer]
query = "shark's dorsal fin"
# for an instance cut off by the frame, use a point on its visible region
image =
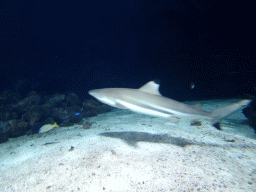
(152, 87)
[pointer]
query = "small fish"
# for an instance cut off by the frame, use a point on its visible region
(47, 127)
(77, 114)
(192, 85)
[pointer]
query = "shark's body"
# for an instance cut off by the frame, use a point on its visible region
(147, 100)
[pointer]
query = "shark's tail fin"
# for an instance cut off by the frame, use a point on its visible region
(223, 112)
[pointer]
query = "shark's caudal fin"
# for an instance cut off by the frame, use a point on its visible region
(223, 112)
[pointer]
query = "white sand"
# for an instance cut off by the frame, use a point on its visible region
(134, 153)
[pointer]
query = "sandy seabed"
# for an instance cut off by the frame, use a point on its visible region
(124, 151)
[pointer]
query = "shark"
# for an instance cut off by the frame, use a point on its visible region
(148, 100)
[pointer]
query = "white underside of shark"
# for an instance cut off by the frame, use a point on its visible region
(148, 100)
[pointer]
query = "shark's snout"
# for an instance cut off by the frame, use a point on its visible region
(91, 93)
(94, 93)
(102, 97)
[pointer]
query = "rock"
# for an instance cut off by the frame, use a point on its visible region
(9, 97)
(33, 98)
(72, 99)
(5, 131)
(48, 110)
(33, 114)
(49, 120)
(91, 104)
(35, 128)
(4, 115)
(67, 116)
(19, 128)
(32, 93)
(93, 108)
(26, 116)
(54, 100)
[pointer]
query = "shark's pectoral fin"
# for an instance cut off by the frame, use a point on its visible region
(197, 106)
(215, 120)
(174, 119)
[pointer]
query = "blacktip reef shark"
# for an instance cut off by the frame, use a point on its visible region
(148, 100)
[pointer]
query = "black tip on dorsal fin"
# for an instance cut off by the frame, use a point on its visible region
(151, 87)
(157, 81)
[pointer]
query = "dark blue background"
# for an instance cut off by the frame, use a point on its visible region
(60, 46)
